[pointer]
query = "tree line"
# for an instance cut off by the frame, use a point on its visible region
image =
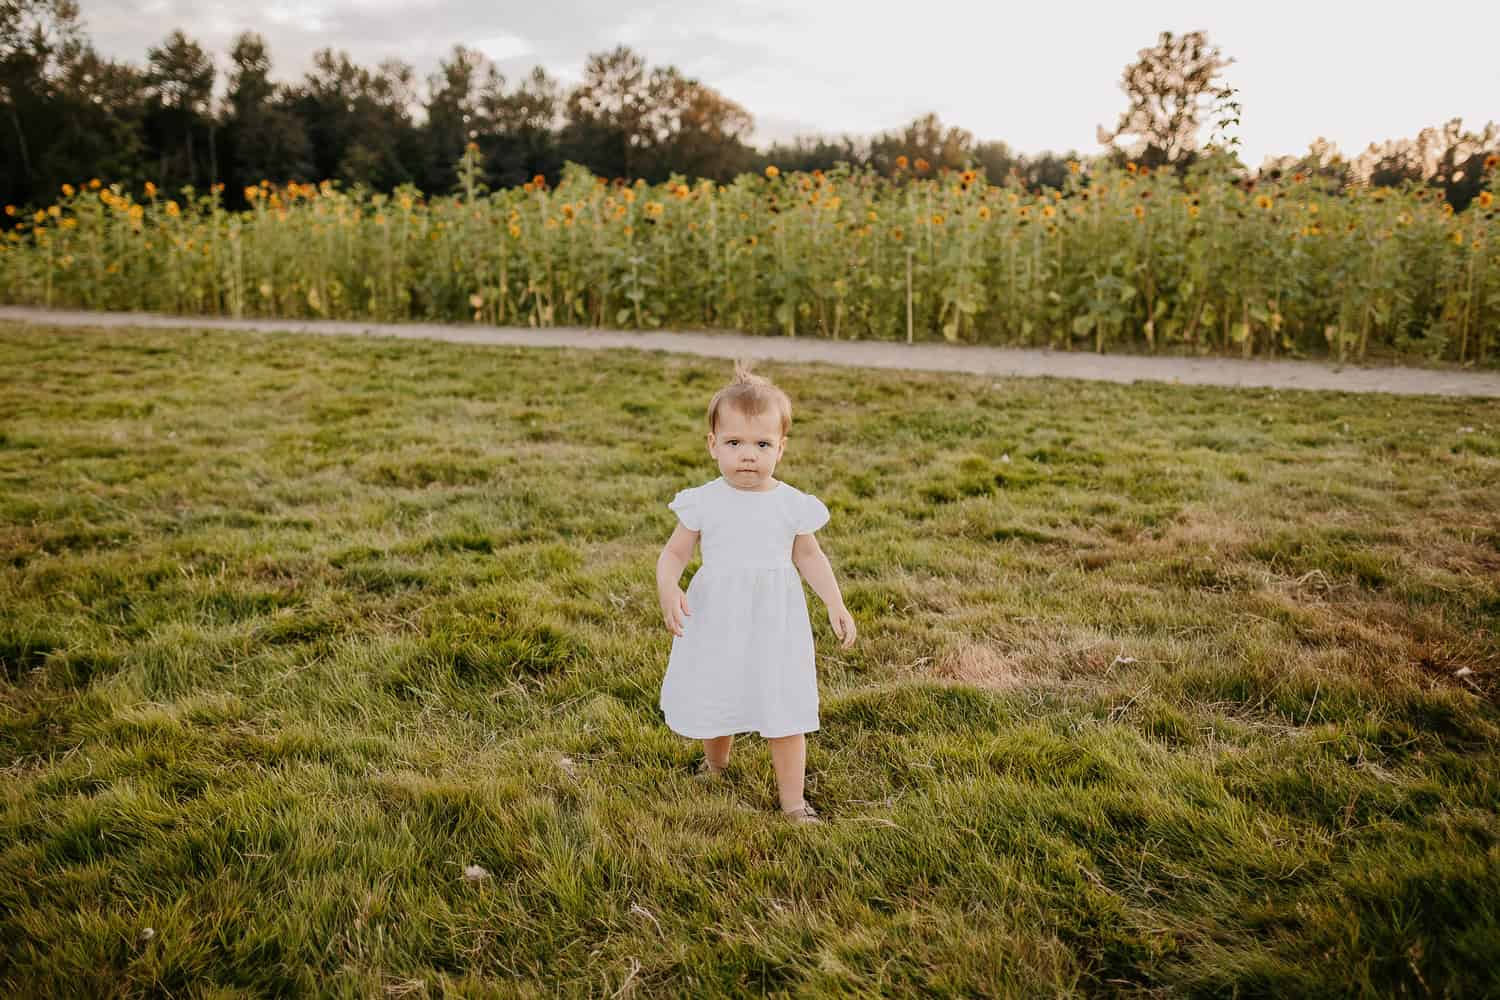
(68, 113)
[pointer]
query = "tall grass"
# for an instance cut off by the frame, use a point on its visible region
(1116, 259)
(1159, 690)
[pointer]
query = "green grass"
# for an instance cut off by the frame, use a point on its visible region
(1157, 689)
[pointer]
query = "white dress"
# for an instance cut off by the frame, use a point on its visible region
(744, 660)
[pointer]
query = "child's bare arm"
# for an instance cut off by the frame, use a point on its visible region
(813, 564)
(669, 566)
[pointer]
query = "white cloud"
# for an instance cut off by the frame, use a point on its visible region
(503, 47)
(1040, 77)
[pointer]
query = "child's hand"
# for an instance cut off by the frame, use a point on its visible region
(674, 607)
(843, 624)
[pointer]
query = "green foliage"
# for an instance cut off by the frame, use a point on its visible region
(1117, 259)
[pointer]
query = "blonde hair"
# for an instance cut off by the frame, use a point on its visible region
(752, 395)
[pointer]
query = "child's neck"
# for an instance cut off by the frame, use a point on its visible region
(770, 485)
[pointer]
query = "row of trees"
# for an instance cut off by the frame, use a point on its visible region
(67, 113)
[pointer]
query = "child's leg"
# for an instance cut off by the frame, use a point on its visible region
(789, 757)
(716, 751)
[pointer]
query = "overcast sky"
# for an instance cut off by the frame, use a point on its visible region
(1039, 76)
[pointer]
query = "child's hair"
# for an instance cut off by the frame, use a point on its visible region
(752, 395)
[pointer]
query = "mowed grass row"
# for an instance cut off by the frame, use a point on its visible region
(1159, 689)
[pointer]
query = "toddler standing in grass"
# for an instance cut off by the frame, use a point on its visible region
(742, 647)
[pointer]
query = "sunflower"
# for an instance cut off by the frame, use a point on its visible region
(1131, 167)
(1074, 166)
(1140, 211)
(967, 177)
(1491, 162)
(1486, 199)
(1263, 201)
(772, 172)
(923, 165)
(1458, 237)
(67, 190)
(901, 162)
(937, 218)
(1048, 211)
(897, 233)
(984, 213)
(1193, 211)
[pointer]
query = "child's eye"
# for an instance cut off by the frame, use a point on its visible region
(765, 444)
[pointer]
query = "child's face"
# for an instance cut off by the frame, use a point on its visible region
(747, 448)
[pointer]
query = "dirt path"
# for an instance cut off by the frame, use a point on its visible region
(870, 354)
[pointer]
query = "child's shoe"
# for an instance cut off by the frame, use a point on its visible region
(802, 814)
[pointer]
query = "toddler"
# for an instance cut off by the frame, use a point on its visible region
(742, 647)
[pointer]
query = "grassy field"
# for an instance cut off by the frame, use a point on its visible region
(1159, 690)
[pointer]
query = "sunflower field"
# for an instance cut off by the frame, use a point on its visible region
(1117, 259)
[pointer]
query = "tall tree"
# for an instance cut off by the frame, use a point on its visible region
(924, 138)
(180, 84)
(99, 128)
(264, 140)
(1167, 87)
(997, 159)
(808, 153)
(693, 129)
(359, 121)
(454, 112)
(606, 114)
(522, 140)
(39, 40)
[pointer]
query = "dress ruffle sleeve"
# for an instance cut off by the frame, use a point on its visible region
(811, 514)
(688, 508)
